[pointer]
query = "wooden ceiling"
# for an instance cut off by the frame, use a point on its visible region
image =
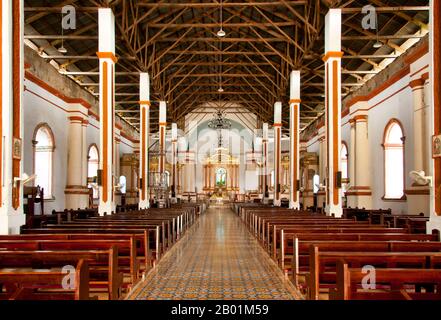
(177, 43)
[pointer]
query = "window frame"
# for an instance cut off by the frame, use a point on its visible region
(44, 125)
(384, 143)
(93, 145)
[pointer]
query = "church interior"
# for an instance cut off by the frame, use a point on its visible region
(220, 150)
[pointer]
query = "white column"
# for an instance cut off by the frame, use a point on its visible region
(352, 159)
(321, 194)
(107, 61)
(144, 105)
(265, 162)
(362, 189)
(116, 166)
(11, 128)
(277, 152)
(84, 157)
(174, 133)
(162, 132)
(294, 133)
(76, 193)
(332, 61)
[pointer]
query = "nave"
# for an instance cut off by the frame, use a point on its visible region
(217, 259)
(263, 149)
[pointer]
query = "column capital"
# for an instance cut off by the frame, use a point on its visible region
(360, 118)
(332, 54)
(417, 83)
(107, 55)
(145, 103)
(295, 101)
(76, 119)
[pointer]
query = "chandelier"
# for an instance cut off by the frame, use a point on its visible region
(219, 121)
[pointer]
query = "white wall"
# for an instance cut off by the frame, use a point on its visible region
(41, 106)
(396, 101)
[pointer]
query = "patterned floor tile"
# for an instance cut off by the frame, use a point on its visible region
(217, 259)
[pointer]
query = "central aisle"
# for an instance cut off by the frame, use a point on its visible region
(217, 259)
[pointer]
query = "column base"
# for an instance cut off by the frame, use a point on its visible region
(321, 199)
(143, 204)
(11, 223)
(434, 224)
(418, 200)
(107, 208)
(294, 205)
(76, 197)
(359, 198)
(337, 211)
(308, 200)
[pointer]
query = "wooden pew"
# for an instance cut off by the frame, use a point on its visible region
(322, 265)
(349, 281)
(126, 250)
(356, 243)
(113, 233)
(27, 285)
(99, 261)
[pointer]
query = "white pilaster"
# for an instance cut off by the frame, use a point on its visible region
(144, 105)
(294, 132)
(76, 192)
(277, 152)
(107, 61)
(332, 61)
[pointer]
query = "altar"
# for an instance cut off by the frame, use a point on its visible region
(221, 176)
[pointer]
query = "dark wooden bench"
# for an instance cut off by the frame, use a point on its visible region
(403, 284)
(101, 262)
(31, 285)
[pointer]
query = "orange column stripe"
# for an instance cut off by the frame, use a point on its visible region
(437, 98)
(296, 154)
(105, 131)
(335, 128)
(143, 151)
(16, 79)
(1, 102)
(328, 115)
(277, 173)
(112, 103)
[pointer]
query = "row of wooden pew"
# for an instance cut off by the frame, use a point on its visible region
(415, 223)
(80, 256)
(329, 258)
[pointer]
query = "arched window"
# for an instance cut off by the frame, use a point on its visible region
(167, 178)
(393, 161)
(43, 158)
(92, 168)
(344, 165)
(316, 183)
(272, 179)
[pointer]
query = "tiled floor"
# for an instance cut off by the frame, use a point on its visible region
(217, 259)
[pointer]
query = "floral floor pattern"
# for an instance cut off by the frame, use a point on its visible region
(218, 259)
